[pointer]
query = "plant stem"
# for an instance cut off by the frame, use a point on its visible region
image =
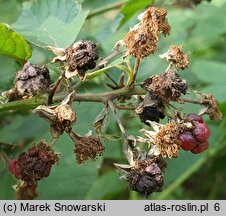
(53, 90)
(107, 8)
(135, 70)
(187, 100)
(32, 103)
(106, 60)
(112, 107)
(7, 145)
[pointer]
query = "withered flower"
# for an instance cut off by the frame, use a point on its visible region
(88, 147)
(166, 87)
(210, 106)
(32, 166)
(60, 117)
(142, 39)
(145, 175)
(79, 57)
(30, 80)
(177, 57)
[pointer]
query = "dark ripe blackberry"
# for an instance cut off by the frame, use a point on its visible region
(151, 114)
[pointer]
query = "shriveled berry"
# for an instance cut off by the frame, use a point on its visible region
(188, 141)
(201, 132)
(195, 117)
(200, 148)
(14, 168)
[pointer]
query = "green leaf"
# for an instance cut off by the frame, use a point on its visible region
(132, 7)
(114, 186)
(47, 22)
(209, 71)
(13, 44)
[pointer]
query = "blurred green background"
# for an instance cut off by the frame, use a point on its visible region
(200, 29)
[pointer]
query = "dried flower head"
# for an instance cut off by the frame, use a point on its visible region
(60, 117)
(86, 148)
(35, 164)
(210, 106)
(80, 57)
(177, 57)
(142, 39)
(30, 80)
(166, 87)
(146, 176)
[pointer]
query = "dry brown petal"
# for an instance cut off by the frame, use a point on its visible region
(177, 57)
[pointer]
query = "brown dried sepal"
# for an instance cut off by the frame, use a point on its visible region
(65, 117)
(26, 190)
(86, 148)
(60, 117)
(146, 176)
(141, 41)
(80, 57)
(177, 57)
(210, 106)
(167, 141)
(166, 87)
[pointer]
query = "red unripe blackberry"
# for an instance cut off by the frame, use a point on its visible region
(14, 168)
(200, 148)
(188, 141)
(195, 117)
(201, 132)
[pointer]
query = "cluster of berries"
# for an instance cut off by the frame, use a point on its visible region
(195, 140)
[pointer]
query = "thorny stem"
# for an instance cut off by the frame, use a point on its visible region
(54, 88)
(135, 70)
(109, 7)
